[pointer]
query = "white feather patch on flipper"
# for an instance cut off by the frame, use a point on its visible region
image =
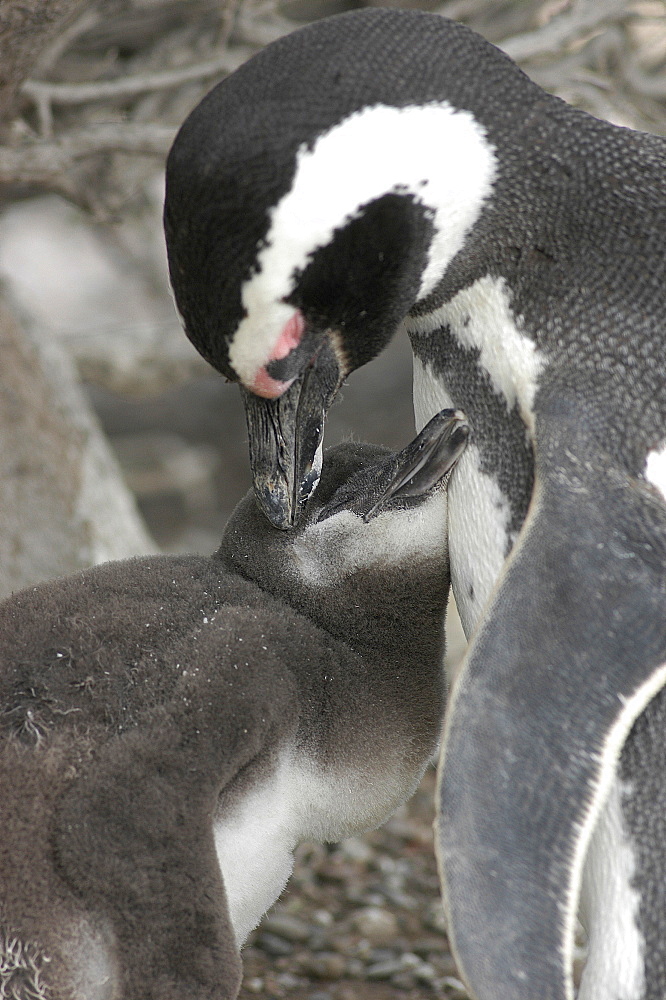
(609, 909)
(255, 841)
(92, 960)
(302, 799)
(655, 469)
(600, 795)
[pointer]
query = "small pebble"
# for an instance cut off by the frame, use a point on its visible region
(411, 961)
(377, 925)
(393, 967)
(288, 981)
(359, 949)
(323, 917)
(346, 944)
(404, 980)
(355, 968)
(319, 941)
(425, 973)
(458, 988)
(384, 970)
(325, 965)
(286, 926)
(381, 955)
(447, 965)
(399, 898)
(273, 945)
(427, 946)
(371, 898)
(434, 918)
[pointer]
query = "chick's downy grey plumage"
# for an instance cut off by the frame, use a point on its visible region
(172, 727)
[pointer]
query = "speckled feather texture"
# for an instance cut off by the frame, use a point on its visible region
(146, 702)
(544, 323)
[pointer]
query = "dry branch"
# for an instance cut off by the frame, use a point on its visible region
(26, 28)
(51, 164)
(569, 54)
(45, 95)
(585, 17)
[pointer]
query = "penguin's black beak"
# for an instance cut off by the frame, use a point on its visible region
(285, 435)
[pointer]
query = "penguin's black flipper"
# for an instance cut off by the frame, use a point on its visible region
(570, 651)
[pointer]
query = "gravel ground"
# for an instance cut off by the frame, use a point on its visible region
(359, 920)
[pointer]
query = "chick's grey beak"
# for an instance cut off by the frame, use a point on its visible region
(285, 436)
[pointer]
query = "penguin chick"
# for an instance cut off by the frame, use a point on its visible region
(172, 727)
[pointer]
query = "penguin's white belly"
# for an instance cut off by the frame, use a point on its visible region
(609, 910)
(478, 512)
(300, 800)
(254, 844)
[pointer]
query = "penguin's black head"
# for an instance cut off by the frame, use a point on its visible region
(262, 283)
(313, 198)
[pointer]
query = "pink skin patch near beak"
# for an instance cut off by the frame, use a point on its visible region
(290, 337)
(270, 388)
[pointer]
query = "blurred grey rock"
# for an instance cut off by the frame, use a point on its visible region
(63, 503)
(324, 965)
(274, 945)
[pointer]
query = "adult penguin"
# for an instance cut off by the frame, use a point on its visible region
(384, 166)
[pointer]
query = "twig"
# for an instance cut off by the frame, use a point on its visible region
(45, 94)
(259, 31)
(46, 164)
(87, 20)
(586, 16)
(646, 84)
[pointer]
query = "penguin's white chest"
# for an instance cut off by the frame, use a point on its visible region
(254, 842)
(478, 512)
(481, 319)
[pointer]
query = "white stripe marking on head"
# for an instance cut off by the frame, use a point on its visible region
(434, 153)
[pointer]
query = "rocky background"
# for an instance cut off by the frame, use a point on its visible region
(116, 439)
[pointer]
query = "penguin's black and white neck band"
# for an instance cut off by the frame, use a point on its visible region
(433, 154)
